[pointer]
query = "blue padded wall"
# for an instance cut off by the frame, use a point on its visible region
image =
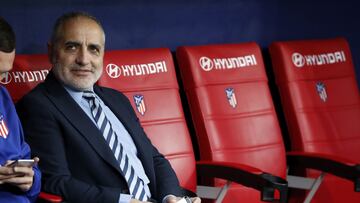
(171, 23)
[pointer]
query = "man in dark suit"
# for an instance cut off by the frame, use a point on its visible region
(92, 146)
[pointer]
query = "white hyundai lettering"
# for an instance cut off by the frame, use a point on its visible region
(25, 76)
(114, 71)
(144, 69)
(208, 64)
(29, 76)
(319, 59)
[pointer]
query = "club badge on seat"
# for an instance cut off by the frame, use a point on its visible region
(321, 90)
(140, 103)
(230, 94)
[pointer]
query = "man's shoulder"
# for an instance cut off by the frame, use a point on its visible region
(39, 89)
(108, 91)
(110, 94)
(35, 95)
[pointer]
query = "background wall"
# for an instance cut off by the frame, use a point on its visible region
(171, 23)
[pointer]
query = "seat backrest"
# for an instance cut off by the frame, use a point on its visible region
(27, 72)
(231, 105)
(319, 94)
(147, 77)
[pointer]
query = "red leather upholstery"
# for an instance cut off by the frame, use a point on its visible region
(27, 72)
(321, 102)
(46, 197)
(148, 76)
(232, 109)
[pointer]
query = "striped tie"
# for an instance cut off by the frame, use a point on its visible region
(136, 185)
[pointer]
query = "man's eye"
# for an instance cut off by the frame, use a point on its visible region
(94, 49)
(70, 47)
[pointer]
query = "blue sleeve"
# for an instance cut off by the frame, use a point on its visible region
(26, 154)
(19, 148)
(35, 189)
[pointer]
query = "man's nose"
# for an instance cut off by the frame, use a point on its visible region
(83, 57)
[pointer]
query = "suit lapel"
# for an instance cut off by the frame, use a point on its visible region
(76, 116)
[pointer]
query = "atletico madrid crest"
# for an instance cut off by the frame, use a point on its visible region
(231, 97)
(321, 90)
(140, 103)
(4, 131)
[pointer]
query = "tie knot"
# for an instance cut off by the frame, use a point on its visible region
(89, 95)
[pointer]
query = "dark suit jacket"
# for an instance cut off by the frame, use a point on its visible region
(74, 157)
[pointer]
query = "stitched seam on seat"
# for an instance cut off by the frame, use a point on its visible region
(179, 155)
(162, 121)
(253, 148)
(328, 108)
(343, 139)
(269, 111)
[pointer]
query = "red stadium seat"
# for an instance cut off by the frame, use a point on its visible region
(232, 110)
(147, 77)
(321, 102)
(27, 72)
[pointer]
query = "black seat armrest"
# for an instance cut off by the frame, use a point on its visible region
(247, 176)
(327, 163)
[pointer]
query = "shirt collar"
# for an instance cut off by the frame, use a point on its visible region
(75, 94)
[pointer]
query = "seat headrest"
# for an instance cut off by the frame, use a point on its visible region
(311, 59)
(139, 69)
(221, 64)
(27, 72)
